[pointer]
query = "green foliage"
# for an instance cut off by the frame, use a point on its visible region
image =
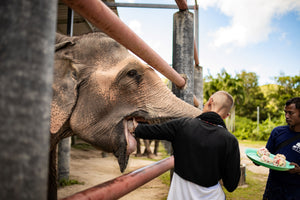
(246, 129)
(287, 88)
(67, 182)
(83, 146)
(249, 107)
(165, 178)
(225, 82)
(248, 95)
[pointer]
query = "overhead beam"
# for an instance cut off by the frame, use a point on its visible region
(145, 5)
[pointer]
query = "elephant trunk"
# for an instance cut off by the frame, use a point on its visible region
(169, 106)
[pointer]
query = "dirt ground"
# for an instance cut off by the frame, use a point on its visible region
(92, 169)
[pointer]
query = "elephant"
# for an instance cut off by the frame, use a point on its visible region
(147, 152)
(98, 87)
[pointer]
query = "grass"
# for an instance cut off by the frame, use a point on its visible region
(165, 178)
(67, 182)
(252, 191)
(83, 146)
(253, 144)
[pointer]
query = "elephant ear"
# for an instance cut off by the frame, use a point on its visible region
(64, 83)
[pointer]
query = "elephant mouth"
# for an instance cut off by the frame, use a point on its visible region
(131, 145)
(128, 130)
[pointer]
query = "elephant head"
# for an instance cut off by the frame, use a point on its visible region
(99, 86)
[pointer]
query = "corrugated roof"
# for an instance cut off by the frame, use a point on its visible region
(80, 24)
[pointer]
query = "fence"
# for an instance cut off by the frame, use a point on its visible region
(122, 185)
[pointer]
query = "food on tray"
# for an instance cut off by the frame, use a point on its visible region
(263, 151)
(252, 155)
(266, 159)
(279, 160)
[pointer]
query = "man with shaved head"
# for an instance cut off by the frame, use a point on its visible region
(205, 152)
(220, 102)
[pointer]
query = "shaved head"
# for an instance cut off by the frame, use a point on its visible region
(220, 102)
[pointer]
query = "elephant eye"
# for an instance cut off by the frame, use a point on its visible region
(74, 75)
(132, 73)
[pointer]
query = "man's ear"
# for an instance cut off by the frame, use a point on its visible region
(210, 101)
(227, 115)
(208, 105)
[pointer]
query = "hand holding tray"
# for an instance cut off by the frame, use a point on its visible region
(252, 155)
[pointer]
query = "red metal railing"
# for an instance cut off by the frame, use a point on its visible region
(96, 11)
(124, 184)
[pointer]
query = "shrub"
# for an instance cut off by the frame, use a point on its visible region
(246, 129)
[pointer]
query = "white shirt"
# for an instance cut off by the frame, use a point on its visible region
(182, 189)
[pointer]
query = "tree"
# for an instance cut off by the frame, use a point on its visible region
(288, 87)
(225, 82)
(255, 98)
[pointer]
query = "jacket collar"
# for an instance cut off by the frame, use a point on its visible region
(212, 118)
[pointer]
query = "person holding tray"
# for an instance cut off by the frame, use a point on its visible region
(285, 185)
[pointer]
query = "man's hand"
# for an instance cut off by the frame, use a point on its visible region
(135, 123)
(131, 125)
(296, 170)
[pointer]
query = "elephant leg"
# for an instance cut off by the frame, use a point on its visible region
(156, 145)
(148, 151)
(52, 179)
(138, 148)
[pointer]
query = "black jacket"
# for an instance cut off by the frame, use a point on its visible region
(204, 150)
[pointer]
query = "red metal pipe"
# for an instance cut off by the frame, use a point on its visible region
(182, 4)
(122, 185)
(106, 20)
(196, 54)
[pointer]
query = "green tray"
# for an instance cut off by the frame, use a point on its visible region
(251, 154)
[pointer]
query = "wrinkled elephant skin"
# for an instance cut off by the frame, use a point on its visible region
(98, 86)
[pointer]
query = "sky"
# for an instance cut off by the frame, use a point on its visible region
(260, 36)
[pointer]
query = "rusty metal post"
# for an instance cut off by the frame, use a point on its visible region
(198, 71)
(105, 19)
(118, 187)
(27, 56)
(182, 4)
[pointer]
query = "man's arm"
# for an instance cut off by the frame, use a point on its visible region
(232, 171)
(164, 131)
